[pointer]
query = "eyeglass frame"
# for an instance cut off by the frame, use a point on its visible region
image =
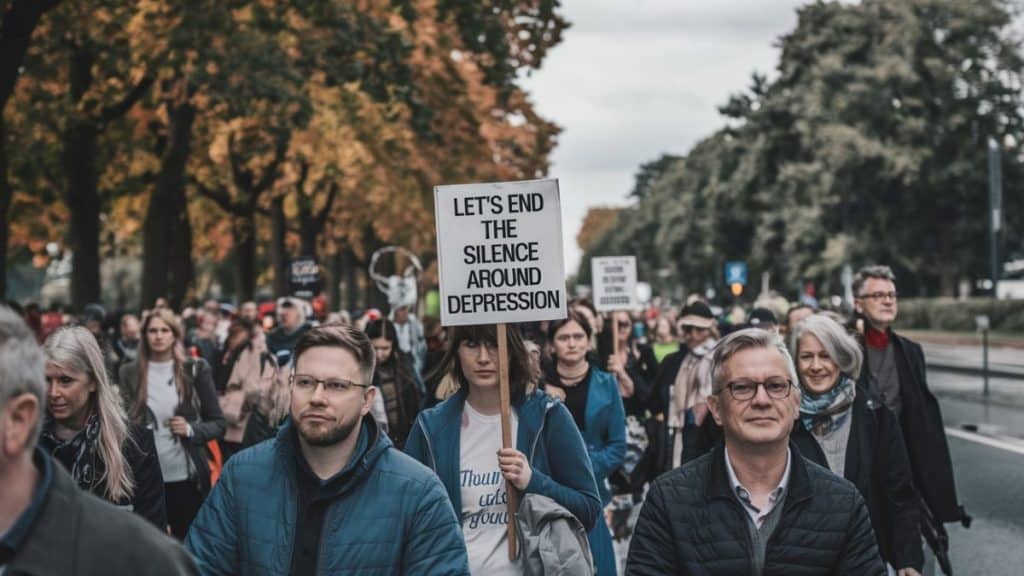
(347, 385)
(730, 387)
(880, 296)
(687, 328)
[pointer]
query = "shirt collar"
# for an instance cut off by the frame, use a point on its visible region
(741, 491)
(11, 540)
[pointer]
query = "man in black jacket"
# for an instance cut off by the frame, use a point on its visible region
(753, 505)
(48, 525)
(894, 370)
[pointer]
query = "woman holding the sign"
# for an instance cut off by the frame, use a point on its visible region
(594, 400)
(461, 440)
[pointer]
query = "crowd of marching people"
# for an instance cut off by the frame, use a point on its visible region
(280, 439)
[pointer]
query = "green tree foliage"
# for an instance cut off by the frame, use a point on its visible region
(869, 145)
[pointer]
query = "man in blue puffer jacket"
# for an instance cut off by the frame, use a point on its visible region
(330, 494)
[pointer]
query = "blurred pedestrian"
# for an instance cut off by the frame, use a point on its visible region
(685, 382)
(291, 325)
(411, 339)
(47, 524)
(174, 396)
(394, 378)
(243, 375)
(329, 494)
(126, 345)
(594, 400)
(753, 505)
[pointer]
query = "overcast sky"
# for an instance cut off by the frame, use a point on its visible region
(635, 78)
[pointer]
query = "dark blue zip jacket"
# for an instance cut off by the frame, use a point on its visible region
(390, 517)
(547, 435)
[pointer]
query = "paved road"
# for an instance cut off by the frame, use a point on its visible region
(990, 480)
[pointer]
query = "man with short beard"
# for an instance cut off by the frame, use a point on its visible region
(330, 494)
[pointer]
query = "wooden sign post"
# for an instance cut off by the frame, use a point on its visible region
(500, 261)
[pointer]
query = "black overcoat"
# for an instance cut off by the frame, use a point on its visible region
(878, 465)
(923, 431)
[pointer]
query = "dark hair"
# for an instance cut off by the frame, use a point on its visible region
(518, 357)
(338, 335)
(240, 324)
(381, 328)
(572, 315)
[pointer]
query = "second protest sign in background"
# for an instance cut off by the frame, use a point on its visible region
(499, 249)
(614, 280)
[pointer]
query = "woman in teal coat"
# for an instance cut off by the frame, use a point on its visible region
(592, 396)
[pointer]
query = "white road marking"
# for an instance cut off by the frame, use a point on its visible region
(1015, 447)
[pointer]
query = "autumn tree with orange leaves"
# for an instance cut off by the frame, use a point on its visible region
(240, 133)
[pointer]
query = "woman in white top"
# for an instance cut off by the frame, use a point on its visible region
(175, 397)
(460, 439)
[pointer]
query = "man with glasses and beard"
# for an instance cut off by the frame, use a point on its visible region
(753, 505)
(330, 494)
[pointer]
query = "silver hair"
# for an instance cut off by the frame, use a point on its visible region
(837, 342)
(878, 271)
(23, 364)
(743, 340)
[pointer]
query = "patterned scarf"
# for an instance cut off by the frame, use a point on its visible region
(78, 453)
(823, 413)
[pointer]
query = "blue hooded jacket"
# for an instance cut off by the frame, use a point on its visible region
(560, 464)
(391, 516)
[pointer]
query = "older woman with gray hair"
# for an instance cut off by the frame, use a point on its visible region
(847, 430)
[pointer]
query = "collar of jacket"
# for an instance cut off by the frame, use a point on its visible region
(358, 468)
(55, 529)
(717, 486)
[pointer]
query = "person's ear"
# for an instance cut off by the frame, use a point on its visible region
(715, 406)
(368, 399)
(19, 416)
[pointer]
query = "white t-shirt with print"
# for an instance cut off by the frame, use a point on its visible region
(484, 496)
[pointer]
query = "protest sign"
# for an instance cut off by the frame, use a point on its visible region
(499, 252)
(304, 277)
(614, 283)
(614, 280)
(499, 249)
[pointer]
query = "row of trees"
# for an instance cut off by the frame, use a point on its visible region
(244, 131)
(868, 145)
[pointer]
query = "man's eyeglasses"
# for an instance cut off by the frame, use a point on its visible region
(880, 296)
(331, 385)
(747, 389)
(686, 328)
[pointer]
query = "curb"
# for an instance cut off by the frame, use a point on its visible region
(977, 370)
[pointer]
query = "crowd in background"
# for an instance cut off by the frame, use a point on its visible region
(145, 409)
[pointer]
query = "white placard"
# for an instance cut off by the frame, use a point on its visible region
(499, 252)
(614, 280)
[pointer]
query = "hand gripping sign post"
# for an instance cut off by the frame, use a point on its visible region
(614, 279)
(499, 252)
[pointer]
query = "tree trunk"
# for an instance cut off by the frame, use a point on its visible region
(244, 231)
(350, 280)
(278, 255)
(81, 196)
(165, 268)
(6, 194)
(182, 270)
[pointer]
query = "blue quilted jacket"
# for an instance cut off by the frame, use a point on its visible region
(393, 516)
